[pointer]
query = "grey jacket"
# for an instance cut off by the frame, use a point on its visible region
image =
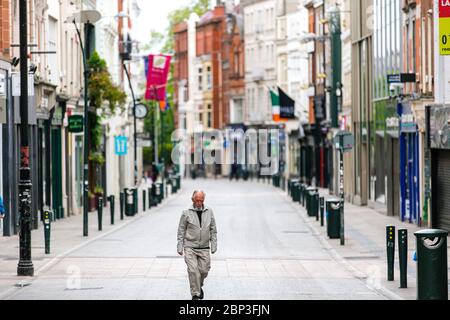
(192, 235)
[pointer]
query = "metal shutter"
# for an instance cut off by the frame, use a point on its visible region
(441, 189)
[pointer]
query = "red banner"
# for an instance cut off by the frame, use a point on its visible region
(158, 71)
(444, 8)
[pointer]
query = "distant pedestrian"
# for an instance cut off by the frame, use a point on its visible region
(2, 213)
(197, 235)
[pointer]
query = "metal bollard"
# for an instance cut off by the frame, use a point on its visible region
(149, 192)
(47, 229)
(316, 208)
(144, 197)
(403, 256)
(122, 204)
(111, 199)
(135, 201)
(390, 246)
(322, 208)
(100, 212)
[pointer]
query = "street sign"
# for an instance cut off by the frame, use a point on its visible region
(401, 78)
(143, 135)
(344, 141)
(121, 145)
(444, 27)
(144, 143)
(76, 123)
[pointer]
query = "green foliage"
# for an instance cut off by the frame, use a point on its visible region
(97, 157)
(98, 190)
(101, 89)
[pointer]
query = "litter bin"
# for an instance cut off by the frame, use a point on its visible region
(158, 188)
(309, 193)
(313, 203)
(129, 202)
(432, 272)
(333, 218)
(295, 190)
(304, 195)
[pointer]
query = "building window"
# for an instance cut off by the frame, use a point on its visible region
(208, 78)
(200, 79)
(209, 116)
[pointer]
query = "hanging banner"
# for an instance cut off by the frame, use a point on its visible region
(287, 105)
(444, 27)
(158, 71)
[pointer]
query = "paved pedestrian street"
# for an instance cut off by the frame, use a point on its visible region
(268, 249)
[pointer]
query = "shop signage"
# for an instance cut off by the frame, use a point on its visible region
(407, 123)
(121, 146)
(444, 27)
(401, 78)
(76, 123)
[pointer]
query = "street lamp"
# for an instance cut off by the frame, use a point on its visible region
(134, 122)
(85, 17)
(25, 266)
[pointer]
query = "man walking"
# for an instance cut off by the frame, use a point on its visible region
(197, 235)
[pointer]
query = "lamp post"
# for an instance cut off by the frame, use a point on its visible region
(25, 266)
(336, 64)
(85, 17)
(134, 123)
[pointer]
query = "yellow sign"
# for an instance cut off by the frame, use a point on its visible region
(444, 36)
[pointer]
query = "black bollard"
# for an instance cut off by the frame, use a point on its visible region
(403, 256)
(100, 212)
(47, 229)
(122, 204)
(144, 197)
(390, 248)
(316, 208)
(322, 208)
(111, 207)
(149, 191)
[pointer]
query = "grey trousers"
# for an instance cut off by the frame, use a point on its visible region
(198, 263)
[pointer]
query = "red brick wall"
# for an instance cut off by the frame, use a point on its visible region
(5, 28)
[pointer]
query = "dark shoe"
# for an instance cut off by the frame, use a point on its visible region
(201, 294)
(195, 298)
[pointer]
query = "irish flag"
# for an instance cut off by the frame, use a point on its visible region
(275, 106)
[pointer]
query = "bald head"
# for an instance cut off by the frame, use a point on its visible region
(198, 199)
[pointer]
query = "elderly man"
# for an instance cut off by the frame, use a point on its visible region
(197, 235)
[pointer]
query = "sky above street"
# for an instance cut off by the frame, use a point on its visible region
(154, 17)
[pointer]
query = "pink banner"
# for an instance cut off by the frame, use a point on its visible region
(158, 71)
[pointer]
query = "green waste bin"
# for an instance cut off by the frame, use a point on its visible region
(129, 202)
(305, 195)
(154, 195)
(296, 191)
(432, 264)
(302, 193)
(313, 203)
(308, 193)
(333, 218)
(158, 188)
